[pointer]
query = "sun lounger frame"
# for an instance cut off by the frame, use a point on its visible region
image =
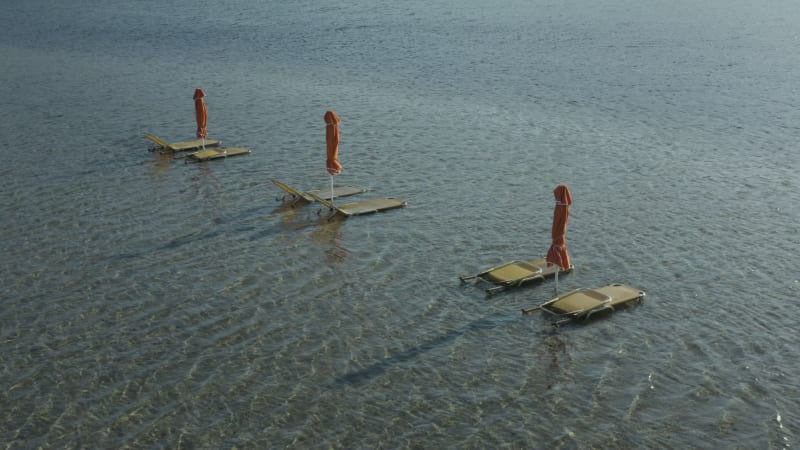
(196, 144)
(544, 271)
(217, 153)
(607, 298)
(360, 208)
(304, 197)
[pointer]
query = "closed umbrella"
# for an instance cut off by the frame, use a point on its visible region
(332, 141)
(201, 115)
(557, 253)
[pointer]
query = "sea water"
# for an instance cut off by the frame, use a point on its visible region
(151, 303)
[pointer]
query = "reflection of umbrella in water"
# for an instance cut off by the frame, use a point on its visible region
(557, 254)
(332, 142)
(201, 115)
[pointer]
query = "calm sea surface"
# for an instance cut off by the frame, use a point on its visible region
(150, 303)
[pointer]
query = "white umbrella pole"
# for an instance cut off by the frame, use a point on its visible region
(331, 188)
(558, 268)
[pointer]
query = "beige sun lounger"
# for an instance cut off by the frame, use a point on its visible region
(515, 274)
(581, 304)
(216, 153)
(359, 208)
(182, 146)
(325, 194)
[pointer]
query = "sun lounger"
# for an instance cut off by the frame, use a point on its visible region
(359, 208)
(325, 194)
(581, 304)
(209, 154)
(515, 274)
(182, 146)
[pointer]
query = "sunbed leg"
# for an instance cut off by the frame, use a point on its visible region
(594, 311)
(465, 278)
(561, 323)
(530, 310)
(492, 291)
(525, 280)
(557, 269)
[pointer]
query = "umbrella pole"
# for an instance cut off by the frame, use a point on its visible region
(331, 188)
(558, 268)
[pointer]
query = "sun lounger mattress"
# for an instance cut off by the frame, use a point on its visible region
(370, 206)
(208, 154)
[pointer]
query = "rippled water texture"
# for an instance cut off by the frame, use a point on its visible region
(150, 303)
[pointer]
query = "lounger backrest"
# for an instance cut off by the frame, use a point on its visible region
(286, 188)
(158, 141)
(323, 202)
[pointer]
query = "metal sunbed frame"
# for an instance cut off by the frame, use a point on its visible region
(515, 274)
(216, 153)
(181, 146)
(305, 197)
(359, 208)
(581, 304)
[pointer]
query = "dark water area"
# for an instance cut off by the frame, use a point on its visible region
(151, 303)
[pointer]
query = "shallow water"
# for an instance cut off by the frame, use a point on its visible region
(153, 303)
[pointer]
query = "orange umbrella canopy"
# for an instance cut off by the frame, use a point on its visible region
(332, 141)
(557, 254)
(200, 113)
